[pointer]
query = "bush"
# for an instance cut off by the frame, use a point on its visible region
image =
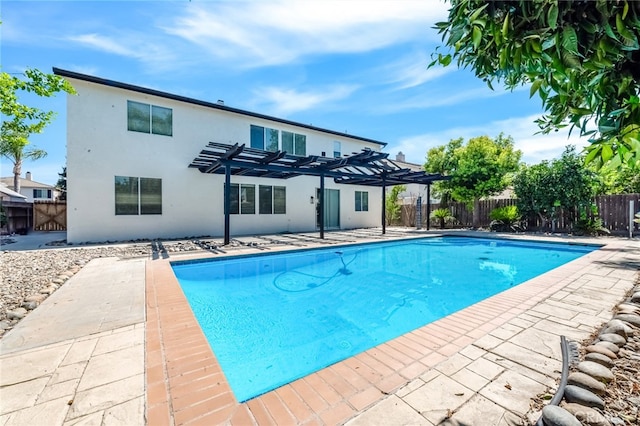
(589, 226)
(443, 216)
(505, 219)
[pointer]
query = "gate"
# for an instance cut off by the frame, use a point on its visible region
(49, 216)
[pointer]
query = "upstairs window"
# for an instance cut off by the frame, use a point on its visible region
(362, 201)
(337, 149)
(264, 138)
(41, 193)
(146, 118)
(137, 196)
(294, 143)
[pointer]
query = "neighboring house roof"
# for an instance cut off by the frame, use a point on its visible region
(222, 107)
(10, 192)
(25, 183)
(410, 166)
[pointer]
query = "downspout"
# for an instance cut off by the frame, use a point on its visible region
(227, 202)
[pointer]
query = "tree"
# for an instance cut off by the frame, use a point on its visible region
(479, 169)
(622, 180)
(391, 204)
(21, 121)
(582, 58)
(61, 185)
(547, 188)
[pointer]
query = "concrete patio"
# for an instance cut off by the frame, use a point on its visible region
(117, 344)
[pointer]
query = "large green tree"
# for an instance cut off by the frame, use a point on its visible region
(581, 57)
(480, 168)
(20, 121)
(551, 187)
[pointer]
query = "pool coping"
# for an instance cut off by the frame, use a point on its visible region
(185, 384)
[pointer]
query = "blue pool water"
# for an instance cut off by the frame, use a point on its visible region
(271, 319)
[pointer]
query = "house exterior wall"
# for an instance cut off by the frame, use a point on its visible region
(99, 147)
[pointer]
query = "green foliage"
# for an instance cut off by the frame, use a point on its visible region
(480, 168)
(443, 216)
(392, 206)
(589, 226)
(543, 189)
(621, 180)
(505, 218)
(20, 121)
(637, 218)
(582, 58)
(3, 217)
(61, 185)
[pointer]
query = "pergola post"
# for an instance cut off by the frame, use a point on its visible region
(428, 204)
(321, 206)
(227, 202)
(384, 207)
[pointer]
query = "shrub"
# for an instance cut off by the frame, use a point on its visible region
(443, 216)
(505, 219)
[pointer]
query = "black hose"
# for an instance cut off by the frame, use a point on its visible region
(563, 378)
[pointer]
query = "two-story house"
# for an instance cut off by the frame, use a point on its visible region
(128, 154)
(32, 190)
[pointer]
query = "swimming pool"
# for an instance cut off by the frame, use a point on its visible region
(271, 319)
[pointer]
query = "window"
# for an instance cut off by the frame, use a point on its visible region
(41, 193)
(273, 199)
(147, 118)
(136, 196)
(337, 149)
(264, 138)
(362, 201)
(243, 199)
(294, 143)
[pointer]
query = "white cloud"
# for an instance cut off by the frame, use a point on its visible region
(411, 71)
(146, 50)
(276, 32)
(288, 101)
(534, 147)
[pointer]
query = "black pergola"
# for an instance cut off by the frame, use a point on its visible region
(367, 168)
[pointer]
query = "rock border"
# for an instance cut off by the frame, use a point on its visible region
(583, 398)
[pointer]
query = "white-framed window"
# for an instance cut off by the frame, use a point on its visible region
(337, 149)
(42, 193)
(362, 201)
(146, 118)
(243, 199)
(272, 199)
(138, 195)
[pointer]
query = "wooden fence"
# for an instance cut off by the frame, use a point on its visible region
(50, 216)
(612, 209)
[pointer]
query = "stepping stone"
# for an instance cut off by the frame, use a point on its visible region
(595, 370)
(599, 358)
(587, 382)
(552, 415)
(613, 348)
(600, 349)
(630, 318)
(586, 415)
(613, 338)
(582, 396)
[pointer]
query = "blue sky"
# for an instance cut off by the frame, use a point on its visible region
(345, 65)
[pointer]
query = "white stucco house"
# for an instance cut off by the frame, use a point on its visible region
(32, 190)
(128, 176)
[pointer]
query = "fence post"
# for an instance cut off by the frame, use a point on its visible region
(631, 215)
